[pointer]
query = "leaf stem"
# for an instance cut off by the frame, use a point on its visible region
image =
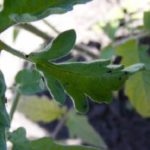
(13, 51)
(51, 26)
(14, 104)
(60, 125)
(35, 31)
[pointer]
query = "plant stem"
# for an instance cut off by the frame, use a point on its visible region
(35, 31)
(14, 104)
(59, 126)
(17, 95)
(51, 26)
(15, 52)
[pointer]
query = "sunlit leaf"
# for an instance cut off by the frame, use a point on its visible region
(147, 20)
(40, 108)
(138, 85)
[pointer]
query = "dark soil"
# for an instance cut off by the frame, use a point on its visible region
(121, 128)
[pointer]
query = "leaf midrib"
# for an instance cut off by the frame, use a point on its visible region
(50, 66)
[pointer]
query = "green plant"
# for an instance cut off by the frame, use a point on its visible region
(74, 78)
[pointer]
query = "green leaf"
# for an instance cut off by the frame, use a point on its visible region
(147, 20)
(15, 34)
(95, 79)
(4, 118)
(2, 138)
(138, 86)
(48, 144)
(110, 29)
(19, 140)
(60, 46)
(79, 126)
(55, 88)
(29, 81)
(30, 10)
(2, 85)
(107, 52)
(47, 110)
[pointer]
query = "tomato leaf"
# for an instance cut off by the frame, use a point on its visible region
(59, 47)
(19, 140)
(48, 144)
(55, 88)
(30, 10)
(29, 81)
(95, 79)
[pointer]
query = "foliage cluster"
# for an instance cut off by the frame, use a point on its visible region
(79, 80)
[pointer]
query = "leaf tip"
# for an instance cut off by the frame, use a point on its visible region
(135, 68)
